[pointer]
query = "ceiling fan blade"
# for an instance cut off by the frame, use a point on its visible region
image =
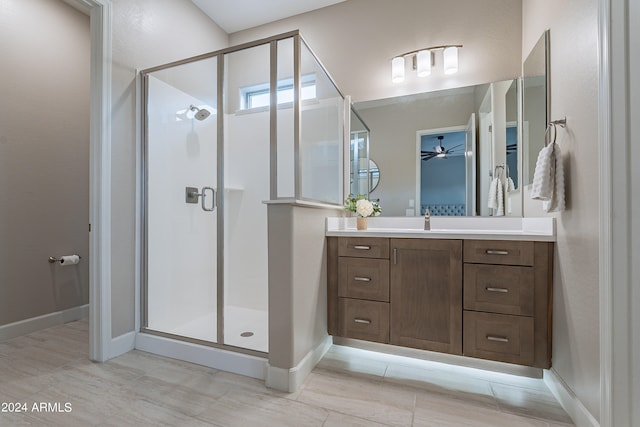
(453, 148)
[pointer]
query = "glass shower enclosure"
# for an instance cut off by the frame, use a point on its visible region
(223, 133)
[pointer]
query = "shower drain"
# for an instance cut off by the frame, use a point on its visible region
(246, 334)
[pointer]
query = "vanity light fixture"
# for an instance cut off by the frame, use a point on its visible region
(423, 59)
(450, 57)
(397, 69)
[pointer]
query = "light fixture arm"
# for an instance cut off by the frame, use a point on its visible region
(432, 48)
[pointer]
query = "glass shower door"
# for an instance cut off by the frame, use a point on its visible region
(181, 191)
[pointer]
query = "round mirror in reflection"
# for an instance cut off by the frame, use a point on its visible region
(374, 175)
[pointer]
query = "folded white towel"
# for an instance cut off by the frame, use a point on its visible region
(548, 179)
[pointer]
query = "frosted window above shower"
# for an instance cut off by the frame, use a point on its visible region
(258, 96)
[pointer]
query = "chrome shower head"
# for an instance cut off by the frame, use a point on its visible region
(201, 113)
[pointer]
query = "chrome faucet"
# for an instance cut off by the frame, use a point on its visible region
(427, 219)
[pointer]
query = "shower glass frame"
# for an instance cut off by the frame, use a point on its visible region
(298, 43)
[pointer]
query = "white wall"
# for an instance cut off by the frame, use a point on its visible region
(44, 157)
(146, 33)
(574, 93)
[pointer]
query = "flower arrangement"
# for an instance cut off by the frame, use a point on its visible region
(361, 206)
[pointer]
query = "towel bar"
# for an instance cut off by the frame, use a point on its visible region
(53, 259)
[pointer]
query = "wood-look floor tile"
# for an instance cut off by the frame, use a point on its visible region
(441, 411)
(518, 400)
(344, 362)
(359, 397)
(180, 399)
(244, 408)
(141, 413)
(336, 419)
(350, 387)
(24, 386)
(435, 381)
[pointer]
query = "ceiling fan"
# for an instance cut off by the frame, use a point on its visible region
(439, 151)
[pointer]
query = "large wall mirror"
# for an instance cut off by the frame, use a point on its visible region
(535, 104)
(360, 177)
(442, 149)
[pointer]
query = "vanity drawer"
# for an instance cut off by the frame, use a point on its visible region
(363, 278)
(363, 247)
(498, 252)
(502, 289)
(364, 320)
(499, 337)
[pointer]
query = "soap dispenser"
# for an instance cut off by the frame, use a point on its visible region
(427, 219)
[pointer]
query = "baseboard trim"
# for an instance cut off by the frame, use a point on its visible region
(288, 380)
(569, 401)
(45, 321)
(122, 344)
(224, 360)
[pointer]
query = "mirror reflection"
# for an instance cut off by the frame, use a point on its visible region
(373, 175)
(535, 104)
(451, 175)
(360, 176)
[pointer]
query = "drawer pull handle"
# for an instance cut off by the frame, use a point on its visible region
(496, 252)
(362, 247)
(362, 279)
(363, 321)
(502, 290)
(498, 339)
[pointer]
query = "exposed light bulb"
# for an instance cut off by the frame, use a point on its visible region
(397, 69)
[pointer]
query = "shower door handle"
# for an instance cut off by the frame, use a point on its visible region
(204, 197)
(192, 194)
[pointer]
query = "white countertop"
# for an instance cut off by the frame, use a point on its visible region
(478, 228)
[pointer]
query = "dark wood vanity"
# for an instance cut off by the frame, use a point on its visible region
(488, 299)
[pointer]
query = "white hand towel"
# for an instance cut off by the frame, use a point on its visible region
(493, 194)
(542, 187)
(556, 203)
(508, 187)
(548, 179)
(500, 199)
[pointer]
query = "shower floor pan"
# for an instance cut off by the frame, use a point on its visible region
(244, 327)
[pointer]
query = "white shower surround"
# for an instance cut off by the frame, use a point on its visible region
(182, 238)
(181, 263)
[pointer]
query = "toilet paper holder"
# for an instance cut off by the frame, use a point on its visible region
(53, 259)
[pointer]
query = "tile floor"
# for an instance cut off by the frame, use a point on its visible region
(348, 388)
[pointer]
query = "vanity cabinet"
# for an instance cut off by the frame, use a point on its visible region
(363, 288)
(488, 299)
(426, 294)
(507, 301)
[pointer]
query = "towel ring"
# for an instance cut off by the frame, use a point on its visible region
(554, 123)
(547, 132)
